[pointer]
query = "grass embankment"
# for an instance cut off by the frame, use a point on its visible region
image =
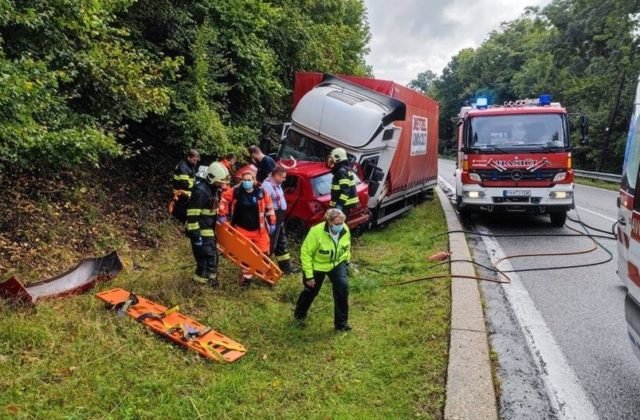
(597, 183)
(72, 358)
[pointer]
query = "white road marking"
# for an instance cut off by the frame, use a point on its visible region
(565, 392)
(596, 213)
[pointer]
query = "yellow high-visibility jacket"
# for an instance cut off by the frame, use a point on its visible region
(319, 252)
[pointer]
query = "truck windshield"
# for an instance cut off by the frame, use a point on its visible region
(301, 147)
(530, 132)
(321, 185)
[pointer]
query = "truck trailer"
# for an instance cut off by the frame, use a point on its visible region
(390, 133)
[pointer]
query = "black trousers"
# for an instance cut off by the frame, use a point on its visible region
(206, 257)
(279, 245)
(339, 281)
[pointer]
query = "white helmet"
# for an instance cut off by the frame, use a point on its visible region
(216, 172)
(338, 154)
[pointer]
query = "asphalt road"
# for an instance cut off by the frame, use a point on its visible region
(581, 308)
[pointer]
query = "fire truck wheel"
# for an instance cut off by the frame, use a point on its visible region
(558, 218)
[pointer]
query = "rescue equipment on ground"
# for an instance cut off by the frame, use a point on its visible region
(246, 255)
(170, 323)
(77, 280)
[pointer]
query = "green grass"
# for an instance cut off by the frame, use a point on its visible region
(612, 186)
(71, 358)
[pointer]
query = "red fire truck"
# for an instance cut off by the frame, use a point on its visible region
(515, 158)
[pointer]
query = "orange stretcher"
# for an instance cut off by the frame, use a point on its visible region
(246, 255)
(172, 324)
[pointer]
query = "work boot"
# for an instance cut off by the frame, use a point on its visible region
(245, 280)
(213, 280)
(344, 328)
(199, 279)
(290, 270)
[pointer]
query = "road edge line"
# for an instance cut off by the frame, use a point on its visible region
(470, 392)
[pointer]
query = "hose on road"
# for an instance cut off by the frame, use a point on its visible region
(579, 234)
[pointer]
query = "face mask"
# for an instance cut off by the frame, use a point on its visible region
(247, 185)
(335, 229)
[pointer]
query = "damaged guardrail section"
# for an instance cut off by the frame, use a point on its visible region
(77, 280)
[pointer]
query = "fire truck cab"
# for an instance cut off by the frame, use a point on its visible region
(515, 158)
(628, 228)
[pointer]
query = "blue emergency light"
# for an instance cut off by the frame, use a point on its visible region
(545, 99)
(482, 103)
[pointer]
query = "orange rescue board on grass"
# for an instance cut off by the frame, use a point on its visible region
(245, 254)
(177, 327)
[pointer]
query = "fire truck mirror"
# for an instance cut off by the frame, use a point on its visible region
(584, 129)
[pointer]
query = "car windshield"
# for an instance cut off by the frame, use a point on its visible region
(301, 147)
(321, 185)
(522, 132)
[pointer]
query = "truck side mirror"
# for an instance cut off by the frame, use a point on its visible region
(373, 188)
(584, 130)
(377, 174)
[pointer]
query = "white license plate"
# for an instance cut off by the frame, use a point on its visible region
(517, 193)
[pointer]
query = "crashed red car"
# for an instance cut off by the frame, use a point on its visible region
(307, 190)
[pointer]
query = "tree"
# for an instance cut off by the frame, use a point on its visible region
(423, 81)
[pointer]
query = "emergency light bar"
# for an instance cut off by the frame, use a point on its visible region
(543, 100)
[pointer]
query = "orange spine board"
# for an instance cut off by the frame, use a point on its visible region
(212, 345)
(246, 255)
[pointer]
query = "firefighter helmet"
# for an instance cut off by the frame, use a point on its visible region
(216, 172)
(338, 154)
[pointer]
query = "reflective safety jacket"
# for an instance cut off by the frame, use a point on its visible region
(343, 187)
(229, 198)
(184, 178)
(320, 252)
(202, 211)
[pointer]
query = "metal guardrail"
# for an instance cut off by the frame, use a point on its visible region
(602, 176)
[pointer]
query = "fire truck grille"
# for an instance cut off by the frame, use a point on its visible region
(518, 175)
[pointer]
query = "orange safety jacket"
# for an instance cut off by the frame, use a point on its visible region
(229, 198)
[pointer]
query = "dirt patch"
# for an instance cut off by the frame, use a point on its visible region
(51, 220)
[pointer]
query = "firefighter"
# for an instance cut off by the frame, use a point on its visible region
(249, 209)
(264, 163)
(343, 186)
(201, 219)
(229, 162)
(184, 177)
(326, 251)
(273, 186)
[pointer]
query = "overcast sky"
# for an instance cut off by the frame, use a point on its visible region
(411, 36)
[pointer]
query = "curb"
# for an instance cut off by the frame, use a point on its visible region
(470, 390)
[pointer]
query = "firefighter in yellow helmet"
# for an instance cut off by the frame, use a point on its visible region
(202, 213)
(343, 186)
